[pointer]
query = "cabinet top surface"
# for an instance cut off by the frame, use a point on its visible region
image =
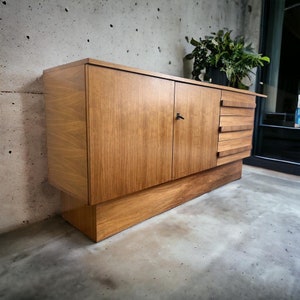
(96, 62)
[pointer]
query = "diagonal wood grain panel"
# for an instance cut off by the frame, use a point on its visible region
(66, 130)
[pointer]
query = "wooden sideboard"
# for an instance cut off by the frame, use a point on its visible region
(126, 144)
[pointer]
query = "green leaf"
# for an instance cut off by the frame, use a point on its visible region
(265, 58)
(194, 42)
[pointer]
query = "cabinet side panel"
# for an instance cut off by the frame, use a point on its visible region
(130, 119)
(66, 130)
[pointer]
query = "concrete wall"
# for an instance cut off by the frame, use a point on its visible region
(36, 35)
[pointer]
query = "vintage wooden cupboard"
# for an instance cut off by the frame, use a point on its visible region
(126, 144)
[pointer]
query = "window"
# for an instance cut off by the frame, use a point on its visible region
(276, 138)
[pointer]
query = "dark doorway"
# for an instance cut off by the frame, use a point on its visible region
(276, 140)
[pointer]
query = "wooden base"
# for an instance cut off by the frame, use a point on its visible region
(105, 219)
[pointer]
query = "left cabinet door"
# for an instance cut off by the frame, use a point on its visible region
(130, 132)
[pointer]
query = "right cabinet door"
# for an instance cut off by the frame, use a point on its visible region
(195, 129)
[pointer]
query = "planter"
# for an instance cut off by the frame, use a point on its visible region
(214, 75)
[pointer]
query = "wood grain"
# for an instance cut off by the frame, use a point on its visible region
(237, 96)
(105, 64)
(117, 152)
(195, 137)
(79, 214)
(236, 126)
(231, 135)
(130, 132)
(66, 130)
(236, 111)
(234, 157)
(230, 128)
(231, 103)
(233, 150)
(235, 143)
(235, 123)
(117, 215)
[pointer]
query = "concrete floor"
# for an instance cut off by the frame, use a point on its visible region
(241, 241)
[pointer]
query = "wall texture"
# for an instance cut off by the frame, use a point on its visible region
(36, 35)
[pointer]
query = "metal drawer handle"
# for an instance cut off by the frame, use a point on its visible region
(178, 116)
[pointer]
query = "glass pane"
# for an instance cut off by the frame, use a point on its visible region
(278, 138)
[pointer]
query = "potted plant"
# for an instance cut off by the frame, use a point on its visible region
(224, 60)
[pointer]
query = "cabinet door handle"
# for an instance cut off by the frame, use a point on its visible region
(178, 116)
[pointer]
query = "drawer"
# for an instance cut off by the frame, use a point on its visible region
(236, 111)
(231, 103)
(237, 99)
(234, 146)
(234, 157)
(235, 123)
(231, 135)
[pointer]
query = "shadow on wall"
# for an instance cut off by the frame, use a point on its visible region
(43, 200)
(27, 196)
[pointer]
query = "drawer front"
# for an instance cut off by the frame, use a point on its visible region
(234, 157)
(238, 97)
(235, 127)
(236, 111)
(234, 146)
(235, 123)
(231, 135)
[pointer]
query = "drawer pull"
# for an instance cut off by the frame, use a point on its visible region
(178, 116)
(230, 103)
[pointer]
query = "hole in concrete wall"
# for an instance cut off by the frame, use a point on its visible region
(159, 49)
(111, 25)
(4, 2)
(249, 8)
(28, 37)
(9, 151)
(170, 62)
(136, 29)
(88, 40)
(158, 9)
(66, 10)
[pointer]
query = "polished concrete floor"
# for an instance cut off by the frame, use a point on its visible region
(241, 241)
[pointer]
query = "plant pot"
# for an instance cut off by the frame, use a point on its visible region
(214, 75)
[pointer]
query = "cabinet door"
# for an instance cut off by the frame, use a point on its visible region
(195, 136)
(130, 132)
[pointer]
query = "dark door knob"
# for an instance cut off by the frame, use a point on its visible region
(178, 116)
